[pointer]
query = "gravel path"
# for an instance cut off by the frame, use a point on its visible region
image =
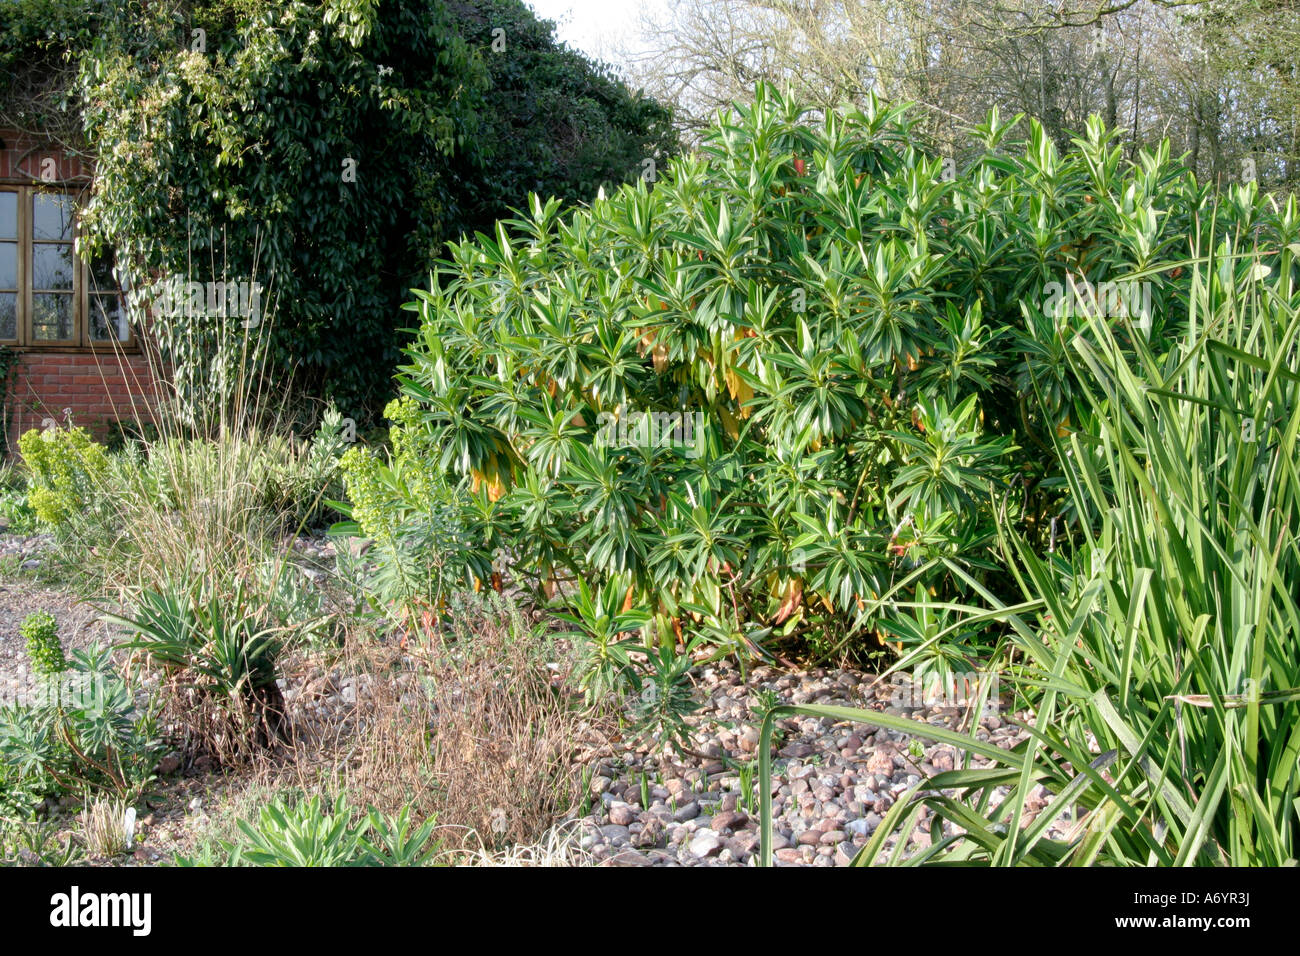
(79, 623)
(834, 780)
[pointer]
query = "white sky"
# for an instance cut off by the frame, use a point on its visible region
(598, 28)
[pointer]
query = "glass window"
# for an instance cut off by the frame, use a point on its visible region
(52, 216)
(8, 265)
(51, 316)
(48, 296)
(8, 215)
(108, 319)
(9, 287)
(8, 315)
(52, 266)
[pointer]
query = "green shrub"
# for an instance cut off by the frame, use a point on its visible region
(276, 478)
(308, 833)
(318, 479)
(421, 548)
(613, 664)
(17, 512)
(31, 841)
(12, 478)
(40, 630)
(871, 362)
(65, 468)
(295, 603)
(219, 645)
(336, 202)
(222, 502)
(84, 732)
(126, 433)
(608, 664)
(218, 648)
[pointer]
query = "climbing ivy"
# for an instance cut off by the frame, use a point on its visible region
(327, 150)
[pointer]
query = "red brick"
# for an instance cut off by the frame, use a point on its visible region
(97, 388)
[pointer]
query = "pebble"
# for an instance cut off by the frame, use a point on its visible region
(170, 763)
(730, 820)
(630, 858)
(704, 843)
(615, 834)
(687, 812)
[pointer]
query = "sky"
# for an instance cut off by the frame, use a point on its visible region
(596, 27)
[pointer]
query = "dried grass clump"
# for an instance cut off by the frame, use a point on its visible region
(558, 847)
(473, 723)
(104, 827)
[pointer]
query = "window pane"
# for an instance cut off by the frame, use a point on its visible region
(52, 265)
(51, 317)
(8, 265)
(101, 274)
(52, 216)
(8, 215)
(108, 319)
(8, 315)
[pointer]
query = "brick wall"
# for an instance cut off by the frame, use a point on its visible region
(27, 160)
(95, 388)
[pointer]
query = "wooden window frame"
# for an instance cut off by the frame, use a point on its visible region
(81, 279)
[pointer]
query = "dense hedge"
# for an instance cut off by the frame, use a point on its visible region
(869, 346)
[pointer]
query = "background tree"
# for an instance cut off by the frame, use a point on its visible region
(559, 124)
(1218, 79)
